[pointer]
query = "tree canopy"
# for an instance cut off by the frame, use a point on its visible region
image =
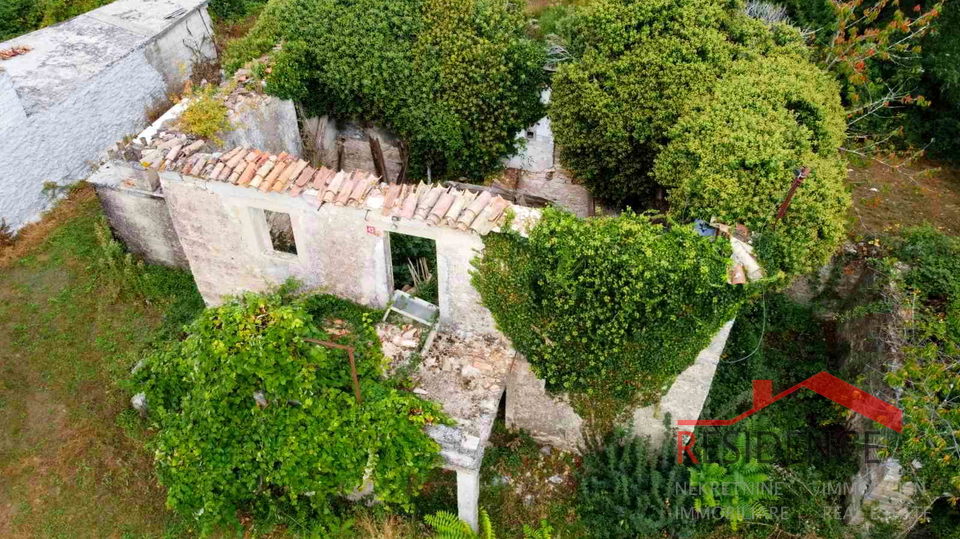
(695, 100)
(457, 80)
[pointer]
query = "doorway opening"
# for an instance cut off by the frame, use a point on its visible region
(414, 261)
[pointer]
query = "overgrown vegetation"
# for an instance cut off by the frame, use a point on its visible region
(736, 488)
(777, 339)
(612, 306)
(18, 17)
(924, 300)
(251, 416)
(456, 80)
(206, 115)
(407, 253)
(695, 106)
(628, 490)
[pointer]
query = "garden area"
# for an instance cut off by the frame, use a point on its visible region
(819, 138)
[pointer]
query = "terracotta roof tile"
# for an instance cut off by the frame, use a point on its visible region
(247, 175)
(427, 202)
(321, 177)
(464, 200)
(434, 204)
(390, 198)
(440, 208)
(344, 193)
(237, 158)
(330, 191)
(466, 218)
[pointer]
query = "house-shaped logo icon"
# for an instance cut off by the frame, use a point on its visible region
(826, 385)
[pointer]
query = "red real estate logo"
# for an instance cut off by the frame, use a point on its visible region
(824, 384)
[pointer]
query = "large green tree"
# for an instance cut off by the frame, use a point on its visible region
(456, 79)
(735, 151)
(640, 64)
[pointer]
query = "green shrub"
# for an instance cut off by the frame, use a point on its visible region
(614, 305)
(232, 9)
(251, 416)
(448, 526)
(925, 295)
(639, 62)
(455, 79)
(933, 259)
(206, 115)
(734, 153)
(626, 490)
(18, 17)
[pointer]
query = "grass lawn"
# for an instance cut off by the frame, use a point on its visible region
(72, 461)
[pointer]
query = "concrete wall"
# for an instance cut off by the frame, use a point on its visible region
(138, 215)
(556, 185)
(538, 153)
(325, 134)
(550, 419)
(343, 251)
(270, 126)
(87, 83)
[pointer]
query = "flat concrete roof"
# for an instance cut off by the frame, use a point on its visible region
(68, 54)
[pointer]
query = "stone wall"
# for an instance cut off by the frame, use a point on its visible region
(340, 250)
(538, 153)
(85, 84)
(550, 419)
(137, 212)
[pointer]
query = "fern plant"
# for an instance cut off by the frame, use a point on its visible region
(448, 526)
(737, 489)
(626, 490)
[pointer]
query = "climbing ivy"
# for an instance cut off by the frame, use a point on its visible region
(251, 416)
(613, 306)
(456, 79)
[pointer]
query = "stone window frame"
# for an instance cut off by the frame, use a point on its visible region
(261, 233)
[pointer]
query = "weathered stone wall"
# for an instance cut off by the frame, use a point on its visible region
(550, 419)
(85, 84)
(270, 126)
(538, 153)
(557, 186)
(325, 136)
(137, 212)
(341, 250)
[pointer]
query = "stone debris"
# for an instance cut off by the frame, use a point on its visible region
(463, 372)
(139, 403)
(398, 343)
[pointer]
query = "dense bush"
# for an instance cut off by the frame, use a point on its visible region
(19, 17)
(251, 416)
(928, 302)
(455, 79)
(206, 116)
(613, 305)
(641, 62)
(734, 154)
(627, 490)
(233, 9)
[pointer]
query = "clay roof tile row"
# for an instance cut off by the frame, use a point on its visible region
(433, 204)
